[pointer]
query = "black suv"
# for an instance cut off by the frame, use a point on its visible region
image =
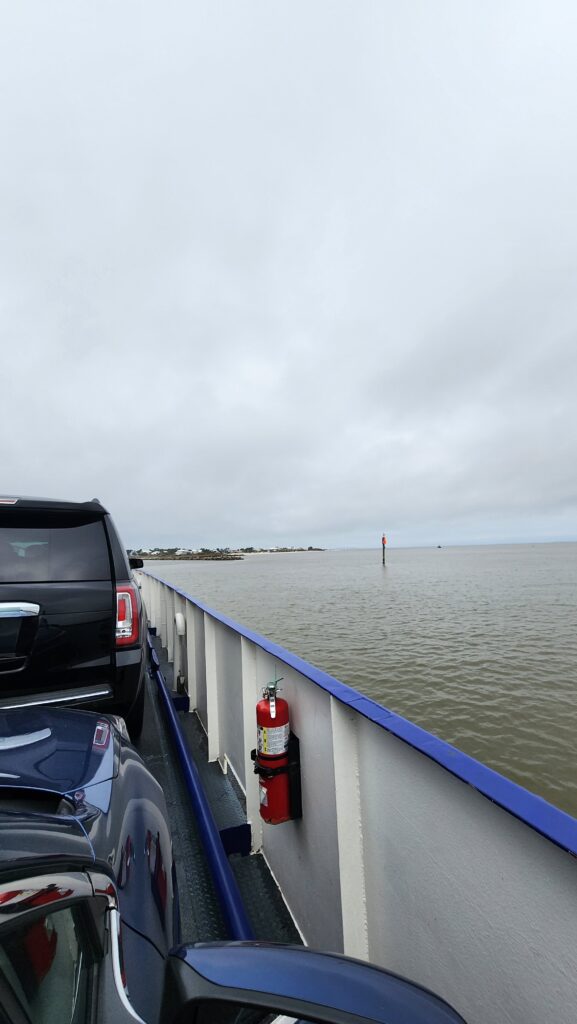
(71, 619)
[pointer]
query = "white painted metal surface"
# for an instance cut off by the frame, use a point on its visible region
(396, 859)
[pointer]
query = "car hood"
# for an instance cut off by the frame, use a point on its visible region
(56, 749)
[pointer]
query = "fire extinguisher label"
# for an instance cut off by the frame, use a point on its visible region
(263, 796)
(273, 741)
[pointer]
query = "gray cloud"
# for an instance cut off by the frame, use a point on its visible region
(292, 272)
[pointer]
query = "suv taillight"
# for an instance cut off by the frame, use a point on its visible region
(126, 616)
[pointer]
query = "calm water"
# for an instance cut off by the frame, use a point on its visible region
(478, 645)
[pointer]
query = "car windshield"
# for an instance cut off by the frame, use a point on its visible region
(45, 970)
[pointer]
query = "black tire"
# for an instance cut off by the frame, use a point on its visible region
(135, 717)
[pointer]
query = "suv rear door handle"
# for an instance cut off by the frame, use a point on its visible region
(18, 609)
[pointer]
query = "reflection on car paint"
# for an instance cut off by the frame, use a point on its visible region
(159, 883)
(27, 899)
(127, 856)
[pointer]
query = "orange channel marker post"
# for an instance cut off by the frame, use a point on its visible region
(384, 542)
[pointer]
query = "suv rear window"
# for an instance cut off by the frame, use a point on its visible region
(52, 548)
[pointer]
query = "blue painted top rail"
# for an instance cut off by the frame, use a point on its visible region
(533, 810)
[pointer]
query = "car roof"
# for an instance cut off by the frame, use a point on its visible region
(29, 842)
(53, 504)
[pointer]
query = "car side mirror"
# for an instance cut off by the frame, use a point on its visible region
(255, 983)
(135, 563)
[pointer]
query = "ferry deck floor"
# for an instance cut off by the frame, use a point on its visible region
(201, 917)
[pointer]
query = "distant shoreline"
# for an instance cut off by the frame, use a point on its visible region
(223, 555)
(213, 557)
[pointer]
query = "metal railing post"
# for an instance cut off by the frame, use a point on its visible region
(250, 696)
(212, 723)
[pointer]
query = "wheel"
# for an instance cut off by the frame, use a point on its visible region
(135, 717)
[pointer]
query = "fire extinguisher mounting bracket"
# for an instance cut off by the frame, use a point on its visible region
(267, 773)
(292, 769)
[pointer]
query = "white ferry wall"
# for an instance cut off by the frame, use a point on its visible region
(400, 856)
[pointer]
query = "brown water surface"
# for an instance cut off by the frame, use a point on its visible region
(477, 644)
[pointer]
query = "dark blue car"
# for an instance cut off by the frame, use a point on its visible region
(89, 910)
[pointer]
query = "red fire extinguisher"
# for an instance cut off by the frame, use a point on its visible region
(272, 756)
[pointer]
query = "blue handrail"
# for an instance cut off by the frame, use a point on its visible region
(225, 884)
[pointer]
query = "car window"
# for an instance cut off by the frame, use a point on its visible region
(51, 549)
(217, 1012)
(46, 965)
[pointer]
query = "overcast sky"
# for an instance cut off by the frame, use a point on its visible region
(292, 272)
